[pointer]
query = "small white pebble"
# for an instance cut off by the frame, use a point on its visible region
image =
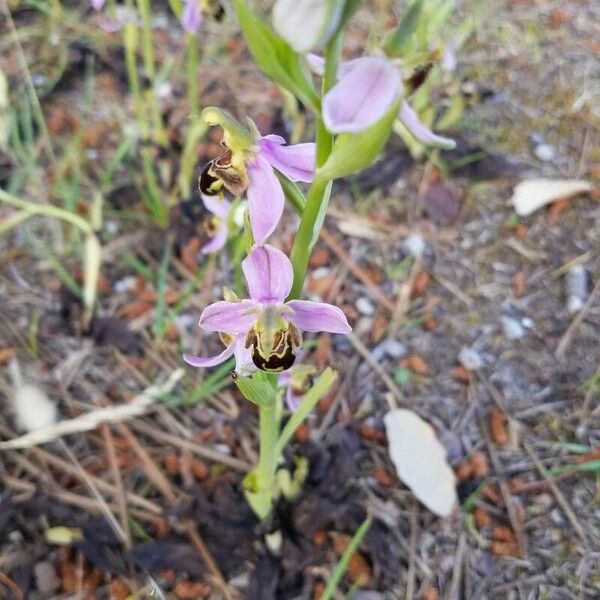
(164, 90)
(365, 307)
(576, 288)
(126, 284)
(513, 328)
(415, 245)
(545, 152)
(46, 579)
(470, 359)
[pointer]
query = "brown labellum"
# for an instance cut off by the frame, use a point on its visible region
(283, 354)
(208, 184)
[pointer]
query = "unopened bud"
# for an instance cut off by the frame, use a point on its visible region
(307, 24)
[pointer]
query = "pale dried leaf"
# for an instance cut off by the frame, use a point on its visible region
(532, 194)
(420, 460)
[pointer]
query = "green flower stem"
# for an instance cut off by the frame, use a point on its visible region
(147, 46)
(318, 194)
(316, 204)
(267, 460)
(324, 139)
(192, 73)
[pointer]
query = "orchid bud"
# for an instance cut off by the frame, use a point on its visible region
(307, 24)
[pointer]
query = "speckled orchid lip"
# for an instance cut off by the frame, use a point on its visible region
(269, 276)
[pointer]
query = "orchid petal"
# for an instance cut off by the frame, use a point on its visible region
(217, 206)
(362, 96)
(291, 400)
(269, 274)
(218, 240)
(316, 63)
(209, 361)
(97, 4)
(265, 199)
(191, 17)
(244, 364)
(296, 162)
(317, 316)
(229, 317)
(420, 131)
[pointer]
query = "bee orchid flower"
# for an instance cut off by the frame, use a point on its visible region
(366, 90)
(265, 328)
(248, 165)
(216, 224)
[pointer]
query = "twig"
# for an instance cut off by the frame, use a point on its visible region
(120, 498)
(361, 274)
(162, 483)
(137, 407)
(208, 453)
(453, 593)
(389, 382)
(557, 493)
(513, 516)
(410, 577)
(71, 498)
(565, 341)
(10, 584)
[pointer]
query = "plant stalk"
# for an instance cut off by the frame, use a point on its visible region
(267, 461)
(192, 74)
(318, 194)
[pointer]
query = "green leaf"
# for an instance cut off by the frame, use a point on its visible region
(399, 41)
(258, 392)
(350, 7)
(342, 566)
(356, 151)
(309, 400)
(276, 57)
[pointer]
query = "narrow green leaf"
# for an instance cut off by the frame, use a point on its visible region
(258, 392)
(276, 57)
(356, 151)
(293, 193)
(399, 40)
(342, 565)
(309, 400)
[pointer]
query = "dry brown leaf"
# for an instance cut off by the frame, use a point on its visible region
(416, 364)
(499, 427)
(383, 477)
(502, 533)
(134, 309)
(505, 549)
(519, 284)
(191, 590)
(420, 284)
(481, 517)
(5, 355)
(479, 465)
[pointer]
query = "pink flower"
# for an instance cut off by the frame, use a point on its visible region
(366, 90)
(217, 224)
(191, 17)
(264, 329)
(97, 4)
(248, 166)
